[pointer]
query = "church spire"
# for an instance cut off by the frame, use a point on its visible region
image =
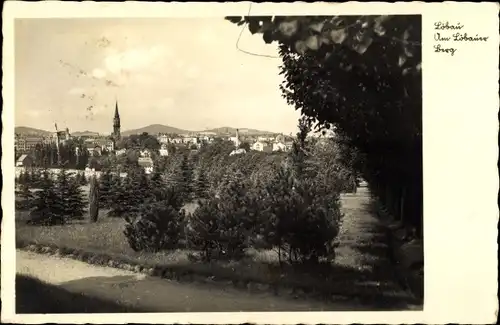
(117, 115)
(116, 123)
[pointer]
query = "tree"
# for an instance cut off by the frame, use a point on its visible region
(130, 194)
(368, 88)
(201, 187)
(70, 195)
(156, 228)
(186, 187)
(47, 209)
(245, 145)
(157, 185)
(24, 197)
(105, 189)
(82, 179)
(223, 226)
(306, 34)
(94, 199)
(120, 198)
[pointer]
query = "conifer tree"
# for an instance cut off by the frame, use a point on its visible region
(201, 184)
(47, 208)
(157, 185)
(70, 195)
(120, 197)
(105, 189)
(21, 178)
(186, 187)
(25, 197)
(35, 177)
(76, 200)
(83, 179)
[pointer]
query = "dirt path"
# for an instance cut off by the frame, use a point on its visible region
(152, 294)
(363, 246)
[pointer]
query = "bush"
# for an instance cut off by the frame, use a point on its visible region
(157, 227)
(302, 218)
(222, 226)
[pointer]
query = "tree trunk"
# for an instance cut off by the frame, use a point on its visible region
(94, 199)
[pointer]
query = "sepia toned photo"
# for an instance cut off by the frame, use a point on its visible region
(261, 164)
(221, 163)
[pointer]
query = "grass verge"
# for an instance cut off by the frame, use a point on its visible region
(103, 243)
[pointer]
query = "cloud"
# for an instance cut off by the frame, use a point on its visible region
(133, 59)
(193, 72)
(98, 73)
(76, 91)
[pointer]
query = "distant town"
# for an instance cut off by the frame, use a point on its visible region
(29, 143)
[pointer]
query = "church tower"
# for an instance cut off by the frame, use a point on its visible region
(116, 124)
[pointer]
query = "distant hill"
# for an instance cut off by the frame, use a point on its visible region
(154, 129)
(84, 133)
(243, 131)
(159, 128)
(24, 130)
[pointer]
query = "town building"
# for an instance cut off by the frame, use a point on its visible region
(145, 153)
(120, 152)
(24, 161)
(279, 146)
(27, 144)
(262, 146)
(146, 163)
(163, 150)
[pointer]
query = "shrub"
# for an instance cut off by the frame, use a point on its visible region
(156, 228)
(302, 218)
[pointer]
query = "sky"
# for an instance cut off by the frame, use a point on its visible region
(182, 72)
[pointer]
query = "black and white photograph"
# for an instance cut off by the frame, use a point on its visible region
(253, 163)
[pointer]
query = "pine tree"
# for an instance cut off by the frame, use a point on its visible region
(93, 199)
(21, 179)
(83, 179)
(25, 197)
(76, 200)
(186, 187)
(130, 194)
(157, 185)
(120, 197)
(35, 177)
(105, 189)
(70, 195)
(157, 227)
(47, 209)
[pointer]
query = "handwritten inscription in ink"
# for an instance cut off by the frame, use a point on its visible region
(448, 36)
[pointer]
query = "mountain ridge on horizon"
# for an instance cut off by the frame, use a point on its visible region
(151, 129)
